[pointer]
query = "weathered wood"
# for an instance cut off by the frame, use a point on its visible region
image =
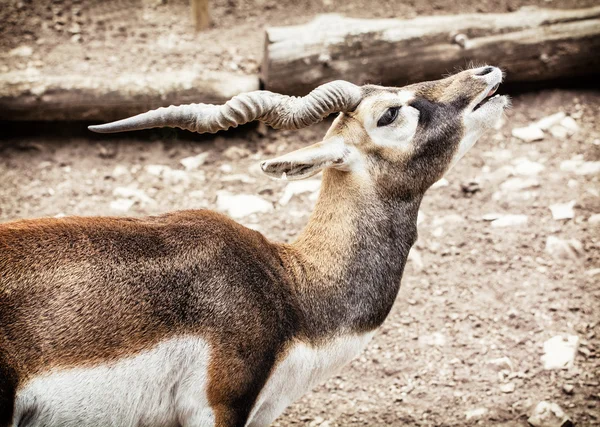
(79, 97)
(200, 14)
(530, 45)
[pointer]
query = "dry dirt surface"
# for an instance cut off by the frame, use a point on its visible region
(476, 305)
(113, 37)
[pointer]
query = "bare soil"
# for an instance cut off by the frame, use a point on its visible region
(482, 293)
(110, 37)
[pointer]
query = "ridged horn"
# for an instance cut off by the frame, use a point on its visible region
(276, 110)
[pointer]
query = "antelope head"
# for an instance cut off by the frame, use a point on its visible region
(401, 140)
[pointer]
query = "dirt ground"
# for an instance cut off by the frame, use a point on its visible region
(109, 37)
(477, 295)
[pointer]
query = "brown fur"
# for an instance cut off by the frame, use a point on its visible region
(144, 280)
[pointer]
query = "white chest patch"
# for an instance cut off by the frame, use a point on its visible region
(303, 368)
(465, 145)
(165, 386)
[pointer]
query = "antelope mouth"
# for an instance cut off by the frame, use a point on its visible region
(488, 97)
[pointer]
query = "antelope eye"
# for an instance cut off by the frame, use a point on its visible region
(388, 117)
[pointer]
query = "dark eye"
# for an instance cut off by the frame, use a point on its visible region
(388, 117)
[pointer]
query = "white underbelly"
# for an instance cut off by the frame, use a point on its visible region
(303, 368)
(165, 386)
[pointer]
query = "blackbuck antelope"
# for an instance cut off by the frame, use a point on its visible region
(190, 319)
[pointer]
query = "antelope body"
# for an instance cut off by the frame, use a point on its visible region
(190, 319)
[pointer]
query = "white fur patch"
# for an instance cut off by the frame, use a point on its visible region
(405, 96)
(302, 369)
(397, 135)
(400, 133)
(398, 99)
(464, 146)
(165, 386)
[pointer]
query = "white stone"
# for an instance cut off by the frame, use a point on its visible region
(133, 193)
(559, 132)
(119, 170)
(436, 339)
(593, 191)
(507, 388)
(295, 188)
(509, 221)
(499, 155)
(502, 363)
(572, 164)
(594, 219)
(568, 388)
(593, 272)
(156, 170)
(242, 205)
(440, 183)
(122, 205)
(563, 210)
(226, 168)
(559, 352)
(528, 134)
(588, 168)
(128, 192)
(175, 176)
(570, 124)
(475, 413)
(38, 89)
(549, 121)
(22, 50)
(579, 166)
(548, 414)
(501, 173)
(194, 162)
(516, 184)
(526, 167)
(564, 249)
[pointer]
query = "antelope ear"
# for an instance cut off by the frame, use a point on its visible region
(308, 161)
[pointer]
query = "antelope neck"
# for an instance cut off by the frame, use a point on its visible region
(347, 264)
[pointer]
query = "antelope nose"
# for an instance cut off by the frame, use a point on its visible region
(484, 71)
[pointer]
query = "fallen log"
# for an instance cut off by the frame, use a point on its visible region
(530, 45)
(35, 96)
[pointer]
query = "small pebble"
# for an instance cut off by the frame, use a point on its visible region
(567, 388)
